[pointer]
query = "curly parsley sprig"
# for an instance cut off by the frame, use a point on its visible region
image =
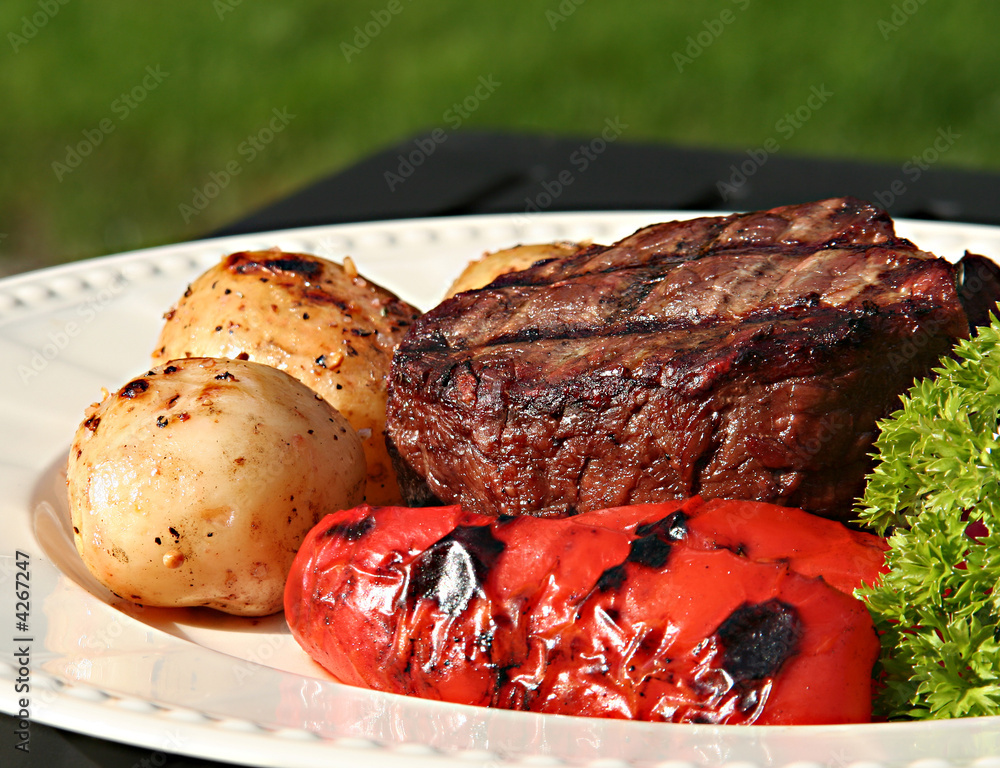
(938, 608)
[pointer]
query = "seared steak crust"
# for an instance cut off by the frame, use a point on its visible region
(745, 356)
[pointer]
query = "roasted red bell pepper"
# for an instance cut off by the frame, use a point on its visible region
(718, 612)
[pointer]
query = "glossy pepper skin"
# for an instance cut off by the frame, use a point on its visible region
(718, 612)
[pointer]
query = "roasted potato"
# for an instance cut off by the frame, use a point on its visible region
(485, 270)
(319, 321)
(195, 483)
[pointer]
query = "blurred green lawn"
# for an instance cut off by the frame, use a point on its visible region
(211, 74)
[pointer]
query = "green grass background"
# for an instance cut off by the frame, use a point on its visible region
(564, 67)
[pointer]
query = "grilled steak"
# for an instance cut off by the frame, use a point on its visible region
(979, 288)
(745, 356)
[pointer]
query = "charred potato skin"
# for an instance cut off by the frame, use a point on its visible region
(319, 321)
(195, 483)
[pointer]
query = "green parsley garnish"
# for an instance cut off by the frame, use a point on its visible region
(938, 608)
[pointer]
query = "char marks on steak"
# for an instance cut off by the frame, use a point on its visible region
(745, 356)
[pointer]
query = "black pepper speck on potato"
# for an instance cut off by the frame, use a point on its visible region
(195, 483)
(319, 321)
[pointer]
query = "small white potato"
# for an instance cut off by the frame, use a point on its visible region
(195, 483)
(486, 269)
(319, 321)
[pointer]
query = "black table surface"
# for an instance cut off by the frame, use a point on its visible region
(441, 173)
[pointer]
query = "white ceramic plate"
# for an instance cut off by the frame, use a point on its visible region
(241, 691)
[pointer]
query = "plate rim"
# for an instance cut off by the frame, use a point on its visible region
(70, 712)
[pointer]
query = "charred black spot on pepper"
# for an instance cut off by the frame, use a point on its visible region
(758, 638)
(611, 579)
(170, 369)
(225, 376)
(321, 361)
(650, 551)
(174, 533)
(452, 570)
(673, 527)
(351, 531)
(162, 421)
(157, 540)
(92, 423)
(360, 332)
(134, 388)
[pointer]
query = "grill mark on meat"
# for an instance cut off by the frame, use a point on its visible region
(817, 225)
(690, 357)
(672, 352)
(649, 298)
